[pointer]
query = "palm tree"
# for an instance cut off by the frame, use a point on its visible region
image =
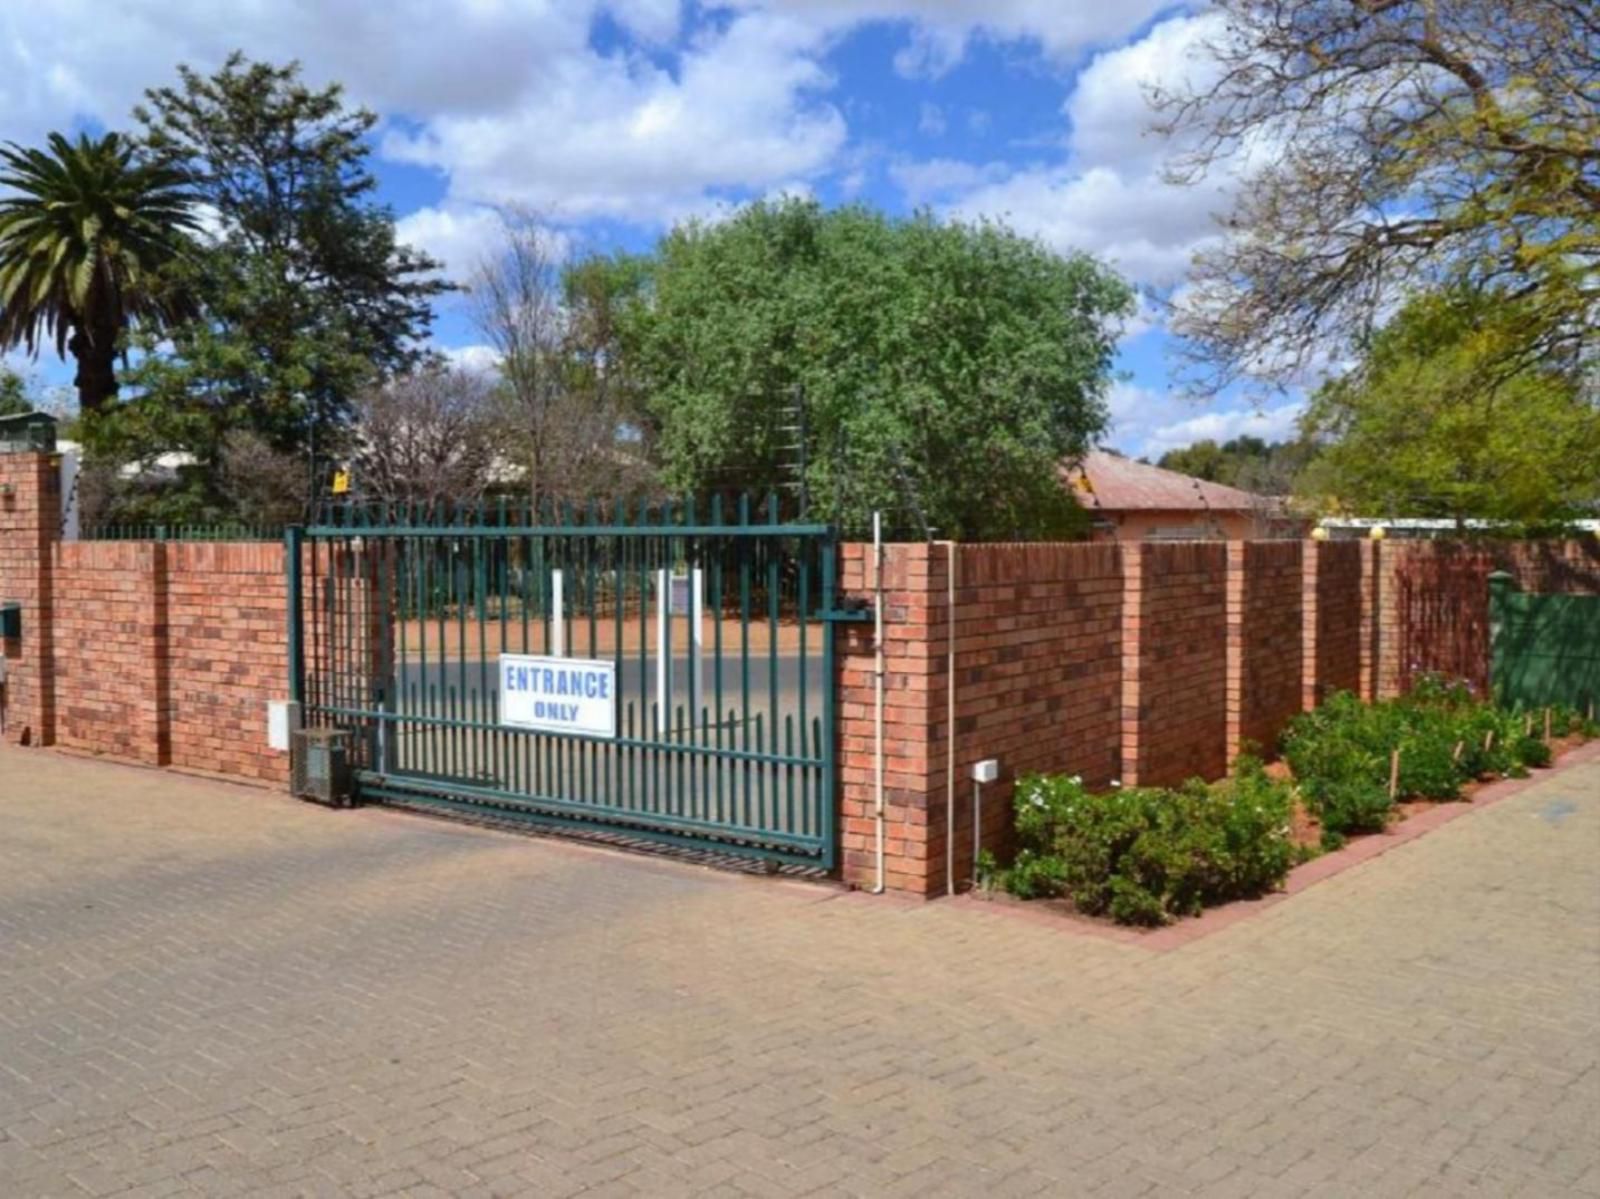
(83, 247)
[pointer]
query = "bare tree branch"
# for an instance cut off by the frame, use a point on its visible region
(1410, 144)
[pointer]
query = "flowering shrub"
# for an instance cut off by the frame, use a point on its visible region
(1144, 854)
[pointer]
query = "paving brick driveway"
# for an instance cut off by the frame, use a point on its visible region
(206, 989)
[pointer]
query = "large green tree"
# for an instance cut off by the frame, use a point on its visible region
(1423, 426)
(1391, 146)
(308, 298)
(938, 371)
(88, 245)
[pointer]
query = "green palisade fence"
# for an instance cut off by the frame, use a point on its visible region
(399, 616)
(1545, 649)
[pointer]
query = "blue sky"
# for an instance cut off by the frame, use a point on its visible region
(614, 118)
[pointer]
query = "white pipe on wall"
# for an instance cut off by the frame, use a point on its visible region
(877, 697)
(950, 719)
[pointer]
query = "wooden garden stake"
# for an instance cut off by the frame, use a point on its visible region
(1394, 774)
(1527, 725)
(1488, 741)
(1547, 724)
(1456, 756)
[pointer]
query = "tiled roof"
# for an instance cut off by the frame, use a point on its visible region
(1118, 484)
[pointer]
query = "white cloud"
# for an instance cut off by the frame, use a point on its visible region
(512, 100)
(941, 29)
(1149, 422)
(479, 359)
(1269, 424)
(459, 236)
(1106, 195)
(618, 136)
(937, 178)
(931, 121)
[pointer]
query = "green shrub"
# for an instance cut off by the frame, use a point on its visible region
(1346, 806)
(1144, 855)
(1341, 752)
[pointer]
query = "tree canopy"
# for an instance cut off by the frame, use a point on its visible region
(306, 296)
(1396, 146)
(1250, 463)
(13, 393)
(1415, 429)
(89, 244)
(937, 371)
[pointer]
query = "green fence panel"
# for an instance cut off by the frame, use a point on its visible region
(1545, 649)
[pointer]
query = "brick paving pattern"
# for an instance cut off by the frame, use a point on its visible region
(211, 990)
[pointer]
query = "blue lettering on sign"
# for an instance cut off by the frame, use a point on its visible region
(557, 695)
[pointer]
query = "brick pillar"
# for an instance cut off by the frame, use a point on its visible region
(1310, 615)
(30, 525)
(915, 628)
(1132, 680)
(1374, 596)
(1234, 672)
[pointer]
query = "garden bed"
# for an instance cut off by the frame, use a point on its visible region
(1150, 856)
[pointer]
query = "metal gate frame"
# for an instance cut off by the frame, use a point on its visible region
(372, 589)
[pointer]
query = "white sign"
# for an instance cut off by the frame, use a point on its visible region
(558, 695)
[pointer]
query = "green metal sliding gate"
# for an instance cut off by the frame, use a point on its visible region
(710, 634)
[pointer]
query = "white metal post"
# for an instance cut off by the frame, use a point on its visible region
(697, 638)
(558, 607)
(663, 664)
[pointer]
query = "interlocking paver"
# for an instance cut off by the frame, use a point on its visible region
(210, 990)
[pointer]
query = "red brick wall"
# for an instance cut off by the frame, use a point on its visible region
(168, 653)
(30, 520)
(1266, 589)
(914, 583)
(227, 649)
(1038, 673)
(1037, 685)
(1174, 662)
(1335, 635)
(109, 649)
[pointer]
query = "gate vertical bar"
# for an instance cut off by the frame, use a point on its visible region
(293, 540)
(830, 687)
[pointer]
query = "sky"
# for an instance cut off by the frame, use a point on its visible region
(615, 118)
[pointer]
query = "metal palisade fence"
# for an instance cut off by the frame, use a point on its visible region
(658, 671)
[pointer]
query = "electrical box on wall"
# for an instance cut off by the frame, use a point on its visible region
(986, 771)
(10, 619)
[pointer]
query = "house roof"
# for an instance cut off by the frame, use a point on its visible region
(1112, 483)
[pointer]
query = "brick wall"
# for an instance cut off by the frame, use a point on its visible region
(30, 506)
(1038, 673)
(158, 653)
(1174, 660)
(1334, 600)
(1266, 593)
(168, 653)
(109, 659)
(1038, 680)
(227, 648)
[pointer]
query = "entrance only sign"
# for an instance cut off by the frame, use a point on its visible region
(558, 695)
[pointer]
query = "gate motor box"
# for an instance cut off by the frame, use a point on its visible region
(319, 766)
